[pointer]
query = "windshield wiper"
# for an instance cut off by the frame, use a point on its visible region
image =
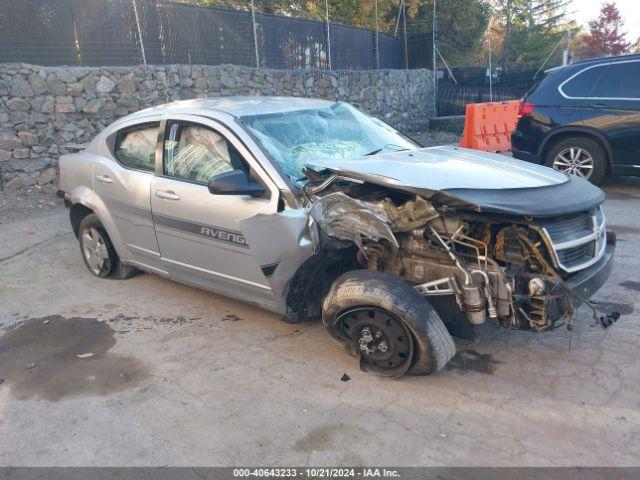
(398, 148)
(373, 152)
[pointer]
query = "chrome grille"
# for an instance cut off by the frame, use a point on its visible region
(576, 241)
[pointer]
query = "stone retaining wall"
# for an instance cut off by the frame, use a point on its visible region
(44, 108)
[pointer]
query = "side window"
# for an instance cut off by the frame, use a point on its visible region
(583, 84)
(621, 81)
(135, 147)
(196, 153)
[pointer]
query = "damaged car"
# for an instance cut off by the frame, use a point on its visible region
(314, 209)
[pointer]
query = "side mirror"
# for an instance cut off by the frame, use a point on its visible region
(235, 182)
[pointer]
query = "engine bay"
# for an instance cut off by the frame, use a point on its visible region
(503, 268)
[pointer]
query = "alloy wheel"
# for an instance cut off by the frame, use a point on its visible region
(575, 161)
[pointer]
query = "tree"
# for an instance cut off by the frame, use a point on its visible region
(461, 25)
(580, 49)
(606, 36)
(527, 31)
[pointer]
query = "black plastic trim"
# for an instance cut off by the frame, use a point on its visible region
(588, 281)
(573, 196)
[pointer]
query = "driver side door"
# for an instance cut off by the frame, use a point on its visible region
(198, 233)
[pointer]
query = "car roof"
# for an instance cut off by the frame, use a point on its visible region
(608, 59)
(237, 106)
(596, 61)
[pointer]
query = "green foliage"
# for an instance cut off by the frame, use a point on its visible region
(529, 30)
(461, 25)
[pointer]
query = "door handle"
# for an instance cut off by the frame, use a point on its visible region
(104, 178)
(167, 195)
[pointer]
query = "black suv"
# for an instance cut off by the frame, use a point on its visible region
(584, 119)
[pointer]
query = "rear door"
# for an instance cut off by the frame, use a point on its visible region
(617, 111)
(612, 106)
(199, 233)
(123, 185)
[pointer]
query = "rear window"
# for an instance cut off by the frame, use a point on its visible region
(135, 147)
(584, 83)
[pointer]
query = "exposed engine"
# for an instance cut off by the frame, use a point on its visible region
(507, 269)
(497, 270)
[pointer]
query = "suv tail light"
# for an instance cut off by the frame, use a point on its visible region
(525, 109)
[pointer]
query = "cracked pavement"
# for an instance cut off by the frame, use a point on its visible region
(185, 377)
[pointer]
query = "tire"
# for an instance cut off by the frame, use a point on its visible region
(381, 295)
(592, 154)
(105, 263)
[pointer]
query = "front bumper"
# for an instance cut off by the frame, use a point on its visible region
(588, 281)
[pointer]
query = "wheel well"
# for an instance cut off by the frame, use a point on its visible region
(573, 134)
(76, 214)
(314, 278)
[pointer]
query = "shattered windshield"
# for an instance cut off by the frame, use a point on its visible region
(338, 132)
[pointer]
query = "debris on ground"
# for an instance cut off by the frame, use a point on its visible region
(46, 322)
(609, 319)
(86, 355)
(31, 365)
(231, 317)
(345, 378)
(472, 361)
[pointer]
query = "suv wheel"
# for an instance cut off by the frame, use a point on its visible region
(579, 156)
(390, 326)
(97, 250)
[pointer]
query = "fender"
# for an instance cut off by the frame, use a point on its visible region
(85, 196)
(575, 129)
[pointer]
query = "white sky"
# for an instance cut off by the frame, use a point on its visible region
(585, 10)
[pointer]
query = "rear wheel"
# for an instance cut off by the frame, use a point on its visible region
(97, 250)
(579, 156)
(391, 327)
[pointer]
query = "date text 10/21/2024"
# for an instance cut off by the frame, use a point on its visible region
(316, 472)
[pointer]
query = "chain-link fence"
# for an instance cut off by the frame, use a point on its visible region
(482, 51)
(132, 32)
(454, 37)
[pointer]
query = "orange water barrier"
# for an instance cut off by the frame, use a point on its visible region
(488, 126)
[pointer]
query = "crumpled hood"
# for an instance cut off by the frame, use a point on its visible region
(485, 182)
(444, 168)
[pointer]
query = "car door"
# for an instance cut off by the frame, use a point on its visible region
(198, 233)
(123, 184)
(618, 111)
(614, 110)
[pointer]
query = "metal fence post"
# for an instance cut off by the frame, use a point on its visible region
(135, 12)
(326, 6)
(565, 53)
(406, 46)
(255, 33)
(377, 39)
(490, 73)
(435, 70)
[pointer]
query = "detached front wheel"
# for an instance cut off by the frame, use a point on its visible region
(391, 327)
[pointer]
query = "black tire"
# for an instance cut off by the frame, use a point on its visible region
(432, 346)
(112, 266)
(594, 149)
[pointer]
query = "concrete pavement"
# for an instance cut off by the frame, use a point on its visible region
(185, 377)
